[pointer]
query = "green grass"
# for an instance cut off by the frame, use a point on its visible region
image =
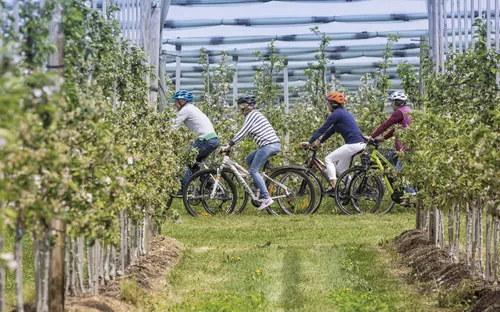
(256, 262)
(28, 272)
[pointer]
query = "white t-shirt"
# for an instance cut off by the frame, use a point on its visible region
(195, 120)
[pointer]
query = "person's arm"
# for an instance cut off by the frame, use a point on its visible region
(396, 117)
(328, 134)
(244, 131)
(326, 126)
(389, 134)
(181, 117)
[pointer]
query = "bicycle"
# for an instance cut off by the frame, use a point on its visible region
(364, 188)
(217, 191)
(199, 210)
(313, 162)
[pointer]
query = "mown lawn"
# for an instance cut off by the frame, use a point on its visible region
(255, 262)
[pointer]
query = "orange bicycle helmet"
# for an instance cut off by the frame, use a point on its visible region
(337, 97)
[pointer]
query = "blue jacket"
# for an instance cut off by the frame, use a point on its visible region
(340, 121)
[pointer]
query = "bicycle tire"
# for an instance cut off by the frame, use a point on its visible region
(304, 205)
(367, 197)
(318, 188)
(244, 197)
(203, 193)
(342, 196)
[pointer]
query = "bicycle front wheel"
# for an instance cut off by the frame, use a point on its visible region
(292, 190)
(217, 194)
(342, 190)
(366, 191)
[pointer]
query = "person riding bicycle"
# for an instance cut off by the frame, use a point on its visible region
(342, 122)
(400, 116)
(263, 134)
(195, 120)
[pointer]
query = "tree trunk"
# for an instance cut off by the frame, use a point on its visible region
(437, 223)
(121, 259)
(72, 261)
(56, 266)
(45, 269)
(467, 234)
(495, 249)
(80, 259)
(480, 235)
(441, 229)
(112, 264)
(488, 249)
(67, 264)
(106, 264)
(457, 235)
(90, 267)
(18, 255)
(474, 239)
(425, 225)
(36, 267)
(451, 221)
(96, 267)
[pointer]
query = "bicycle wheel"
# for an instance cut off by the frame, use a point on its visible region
(366, 191)
(243, 197)
(318, 189)
(386, 203)
(292, 190)
(342, 195)
(200, 187)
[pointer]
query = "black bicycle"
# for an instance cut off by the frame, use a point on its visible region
(312, 165)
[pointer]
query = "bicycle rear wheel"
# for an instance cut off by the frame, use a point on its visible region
(200, 187)
(292, 190)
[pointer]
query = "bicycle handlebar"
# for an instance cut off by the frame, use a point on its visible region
(225, 152)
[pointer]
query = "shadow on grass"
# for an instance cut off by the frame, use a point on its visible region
(291, 297)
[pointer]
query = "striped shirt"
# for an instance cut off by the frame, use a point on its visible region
(259, 128)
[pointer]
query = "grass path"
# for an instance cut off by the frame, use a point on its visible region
(303, 263)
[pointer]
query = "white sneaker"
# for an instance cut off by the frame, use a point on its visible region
(266, 203)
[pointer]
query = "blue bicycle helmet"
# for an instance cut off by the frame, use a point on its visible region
(183, 94)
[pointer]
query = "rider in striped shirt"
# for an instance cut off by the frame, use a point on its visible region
(261, 131)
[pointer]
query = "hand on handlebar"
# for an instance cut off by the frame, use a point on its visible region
(304, 145)
(380, 138)
(375, 141)
(225, 148)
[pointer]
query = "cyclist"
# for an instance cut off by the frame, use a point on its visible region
(342, 122)
(400, 116)
(195, 120)
(263, 134)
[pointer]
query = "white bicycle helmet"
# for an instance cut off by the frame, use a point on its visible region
(401, 96)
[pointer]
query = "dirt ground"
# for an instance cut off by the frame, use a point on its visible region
(148, 273)
(433, 267)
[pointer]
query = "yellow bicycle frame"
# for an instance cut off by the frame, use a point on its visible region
(380, 162)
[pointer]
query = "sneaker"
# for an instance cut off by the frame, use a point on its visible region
(266, 203)
(329, 192)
